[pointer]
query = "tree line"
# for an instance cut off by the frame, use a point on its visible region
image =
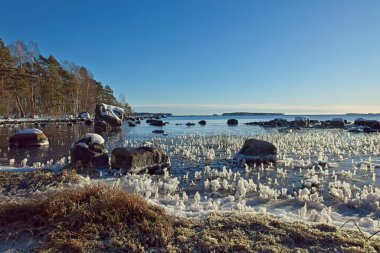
(32, 84)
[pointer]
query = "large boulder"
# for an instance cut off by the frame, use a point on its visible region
(137, 160)
(256, 151)
(108, 117)
(89, 152)
(28, 137)
(232, 122)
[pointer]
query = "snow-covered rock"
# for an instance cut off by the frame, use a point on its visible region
(89, 152)
(28, 137)
(108, 117)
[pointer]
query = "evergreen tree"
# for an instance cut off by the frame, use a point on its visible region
(33, 84)
(6, 73)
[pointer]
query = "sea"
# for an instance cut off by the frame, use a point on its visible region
(61, 136)
(204, 179)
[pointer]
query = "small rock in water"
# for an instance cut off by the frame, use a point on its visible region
(28, 137)
(257, 151)
(202, 122)
(232, 122)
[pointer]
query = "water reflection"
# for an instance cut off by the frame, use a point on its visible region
(60, 135)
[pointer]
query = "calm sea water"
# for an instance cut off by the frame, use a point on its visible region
(62, 136)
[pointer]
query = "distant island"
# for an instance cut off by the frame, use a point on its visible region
(151, 114)
(251, 114)
(352, 113)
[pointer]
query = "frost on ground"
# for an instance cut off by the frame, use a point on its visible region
(321, 176)
(99, 218)
(321, 179)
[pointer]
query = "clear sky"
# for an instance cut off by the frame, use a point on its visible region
(213, 56)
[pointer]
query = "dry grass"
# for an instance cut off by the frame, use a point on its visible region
(103, 219)
(12, 183)
(261, 233)
(92, 219)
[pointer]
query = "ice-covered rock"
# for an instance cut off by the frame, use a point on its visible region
(89, 152)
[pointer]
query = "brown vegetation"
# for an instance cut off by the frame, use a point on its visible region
(90, 219)
(32, 84)
(12, 183)
(99, 218)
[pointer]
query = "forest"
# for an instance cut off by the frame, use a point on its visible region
(32, 84)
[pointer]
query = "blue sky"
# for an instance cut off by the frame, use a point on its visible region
(204, 57)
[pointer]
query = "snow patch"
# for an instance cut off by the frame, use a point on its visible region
(30, 131)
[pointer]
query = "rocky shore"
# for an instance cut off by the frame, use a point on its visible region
(359, 125)
(62, 218)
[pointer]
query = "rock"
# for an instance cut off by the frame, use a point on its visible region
(158, 131)
(70, 124)
(280, 122)
(254, 123)
(108, 117)
(370, 130)
(190, 124)
(336, 123)
(232, 122)
(131, 124)
(256, 151)
(136, 160)
(312, 184)
(88, 122)
(356, 129)
(130, 118)
(157, 123)
(202, 122)
(374, 124)
(84, 115)
(28, 137)
(360, 122)
(89, 152)
(102, 126)
(301, 121)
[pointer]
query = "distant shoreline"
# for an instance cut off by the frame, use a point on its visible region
(251, 114)
(276, 114)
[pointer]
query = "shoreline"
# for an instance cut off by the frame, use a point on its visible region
(232, 231)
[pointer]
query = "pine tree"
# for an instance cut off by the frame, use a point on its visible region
(6, 73)
(33, 84)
